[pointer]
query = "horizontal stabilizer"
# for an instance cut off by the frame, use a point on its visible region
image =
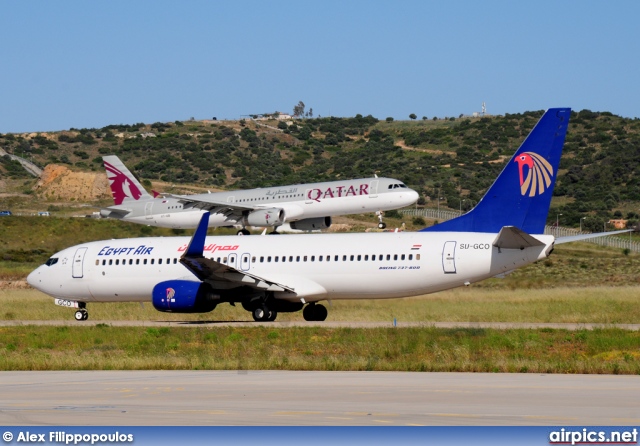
(511, 237)
(577, 238)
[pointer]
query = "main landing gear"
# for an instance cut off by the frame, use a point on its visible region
(314, 312)
(243, 231)
(264, 314)
(381, 224)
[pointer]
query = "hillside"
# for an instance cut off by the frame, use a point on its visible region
(454, 159)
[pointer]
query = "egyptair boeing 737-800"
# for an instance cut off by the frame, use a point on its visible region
(305, 207)
(268, 275)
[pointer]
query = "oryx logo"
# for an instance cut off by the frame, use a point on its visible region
(539, 173)
(121, 186)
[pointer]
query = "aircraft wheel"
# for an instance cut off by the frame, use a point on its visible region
(272, 315)
(85, 315)
(308, 312)
(320, 313)
(244, 232)
(259, 314)
(81, 315)
(382, 225)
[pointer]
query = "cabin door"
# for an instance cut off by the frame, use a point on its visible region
(78, 260)
(373, 189)
(448, 258)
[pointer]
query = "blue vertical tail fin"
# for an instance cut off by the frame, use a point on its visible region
(521, 195)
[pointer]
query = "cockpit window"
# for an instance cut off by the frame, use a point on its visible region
(51, 261)
(396, 186)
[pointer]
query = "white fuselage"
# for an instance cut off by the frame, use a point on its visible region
(299, 202)
(317, 267)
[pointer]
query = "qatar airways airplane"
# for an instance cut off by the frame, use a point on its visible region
(305, 207)
(268, 275)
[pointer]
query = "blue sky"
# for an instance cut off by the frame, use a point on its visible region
(94, 63)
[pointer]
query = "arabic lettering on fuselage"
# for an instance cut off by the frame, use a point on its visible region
(291, 191)
(139, 250)
(213, 247)
(338, 192)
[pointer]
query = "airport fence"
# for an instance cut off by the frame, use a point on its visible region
(622, 242)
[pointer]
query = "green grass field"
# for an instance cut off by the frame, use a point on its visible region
(315, 348)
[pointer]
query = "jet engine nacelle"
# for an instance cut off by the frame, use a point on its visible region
(183, 296)
(311, 224)
(265, 217)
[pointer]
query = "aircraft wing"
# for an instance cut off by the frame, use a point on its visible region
(229, 210)
(208, 270)
(577, 238)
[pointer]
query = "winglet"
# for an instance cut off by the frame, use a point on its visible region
(196, 245)
(521, 194)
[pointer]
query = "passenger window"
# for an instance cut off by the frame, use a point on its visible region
(402, 257)
(284, 258)
(168, 261)
(366, 257)
(395, 257)
(297, 258)
(305, 258)
(110, 261)
(175, 260)
(291, 258)
(352, 257)
(137, 261)
(359, 257)
(344, 258)
(388, 257)
(97, 262)
(159, 261)
(417, 256)
(275, 259)
(410, 256)
(261, 259)
(144, 261)
(336, 258)
(313, 258)
(117, 261)
(320, 259)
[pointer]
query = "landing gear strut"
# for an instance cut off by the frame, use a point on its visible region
(381, 224)
(314, 312)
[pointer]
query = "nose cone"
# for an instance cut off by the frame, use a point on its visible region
(413, 196)
(34, 278)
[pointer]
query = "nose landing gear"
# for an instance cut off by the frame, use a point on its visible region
(81, 315)
(381, 224)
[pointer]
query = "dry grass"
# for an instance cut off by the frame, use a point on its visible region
(569, 305)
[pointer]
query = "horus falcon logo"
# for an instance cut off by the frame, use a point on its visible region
(539, 174)
(170, 294)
